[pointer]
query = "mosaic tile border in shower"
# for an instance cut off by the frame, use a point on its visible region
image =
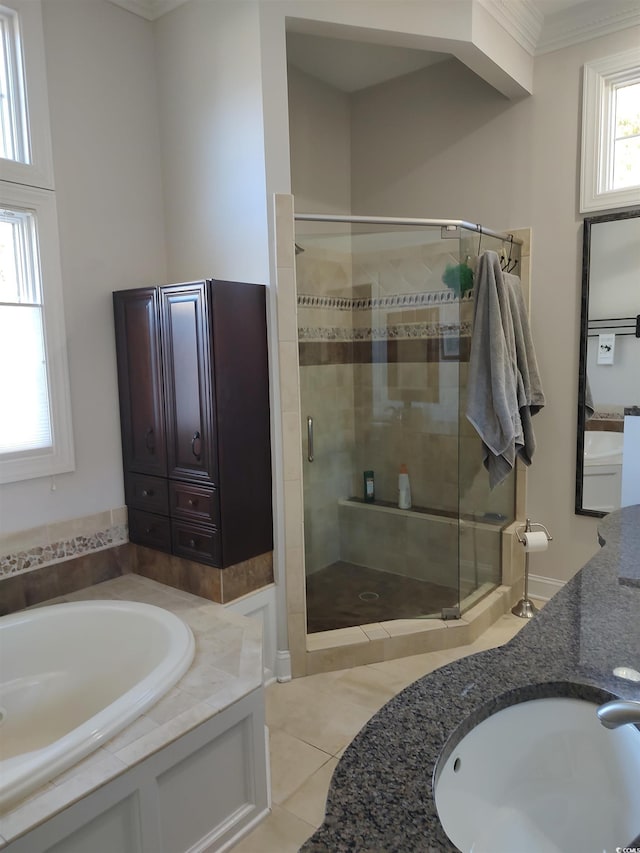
(396, 300)
(400, 331)
(47, 554)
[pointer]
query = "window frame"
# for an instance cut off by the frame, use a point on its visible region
(60, 457)
(39, 171)
(600, 80)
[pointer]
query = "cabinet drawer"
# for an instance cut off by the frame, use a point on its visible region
(147, 493)
(148, 529)
(197, 542)
(194, 503)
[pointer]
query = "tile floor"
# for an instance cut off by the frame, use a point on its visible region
(311, 721)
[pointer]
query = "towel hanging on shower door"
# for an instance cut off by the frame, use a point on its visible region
(504, 388)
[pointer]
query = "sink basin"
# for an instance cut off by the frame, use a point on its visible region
(602, 448)
(543, 776)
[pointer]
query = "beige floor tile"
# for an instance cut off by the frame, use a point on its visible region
(281, 832)
(503, 630)
(325, 721)
(361, 685)
(309, 801)
(404, 671)
(292, 762)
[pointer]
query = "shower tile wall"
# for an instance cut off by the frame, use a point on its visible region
(326, 394)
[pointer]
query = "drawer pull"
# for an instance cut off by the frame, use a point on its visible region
(147, 493)
(150, 440)
(149, 529)
(192, 543)
(193, 502)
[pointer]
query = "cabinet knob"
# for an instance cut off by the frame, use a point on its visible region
(147, 493)
(149, 529)
(192, 543)
(196, 445)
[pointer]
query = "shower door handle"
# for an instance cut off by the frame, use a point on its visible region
(310, 439)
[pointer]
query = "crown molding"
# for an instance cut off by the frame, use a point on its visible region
(149, 9)
(523, 21)
(587, 21)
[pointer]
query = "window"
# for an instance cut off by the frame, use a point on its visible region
(35, 411)
(626, 142)
(14, 139)
(611, 133)
(35, 425)
(25, 142)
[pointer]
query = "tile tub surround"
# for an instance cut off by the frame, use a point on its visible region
(54, 543)
(227, 667)
(380, 796)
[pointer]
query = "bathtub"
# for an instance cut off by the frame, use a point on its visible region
(74, 675)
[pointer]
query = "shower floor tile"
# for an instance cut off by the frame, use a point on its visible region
(343, 595)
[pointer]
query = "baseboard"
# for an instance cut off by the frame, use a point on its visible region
(283, 665)
(545, 588)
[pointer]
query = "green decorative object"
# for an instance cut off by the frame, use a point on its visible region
(459, 278)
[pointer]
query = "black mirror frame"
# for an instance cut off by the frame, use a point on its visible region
(632, 213)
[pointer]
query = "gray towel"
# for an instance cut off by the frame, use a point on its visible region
(530, 395)
(504, 389)
(589, 408)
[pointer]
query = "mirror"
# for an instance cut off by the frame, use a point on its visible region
(608, 451)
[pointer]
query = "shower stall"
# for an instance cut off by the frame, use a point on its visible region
(384, 315)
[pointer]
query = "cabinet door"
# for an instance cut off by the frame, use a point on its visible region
(140, 380)
(242, 410)
(188, 382)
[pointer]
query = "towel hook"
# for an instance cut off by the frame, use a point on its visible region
(510, 265)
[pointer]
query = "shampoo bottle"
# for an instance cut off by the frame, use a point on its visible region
(369, 487)
(404, 488)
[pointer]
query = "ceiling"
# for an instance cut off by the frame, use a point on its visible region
(350, 66)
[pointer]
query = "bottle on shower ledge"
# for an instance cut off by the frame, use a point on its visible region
(404, 488)
(369, 487)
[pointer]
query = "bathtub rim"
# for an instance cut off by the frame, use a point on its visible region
(102, 726)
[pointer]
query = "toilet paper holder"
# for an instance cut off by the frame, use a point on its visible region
(525, 608)
(528, 527)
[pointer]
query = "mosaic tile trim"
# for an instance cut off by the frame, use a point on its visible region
(35, 558)
(398, 300)
(401, 331)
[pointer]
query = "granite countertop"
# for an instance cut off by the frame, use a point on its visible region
(381, 795)
(227, 666)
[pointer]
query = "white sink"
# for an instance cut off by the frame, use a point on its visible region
(602, 448)
(543, 776)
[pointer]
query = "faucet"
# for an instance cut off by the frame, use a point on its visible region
(619, 712)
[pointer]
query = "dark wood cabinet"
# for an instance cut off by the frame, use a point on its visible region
(194, 409)
(140, 381)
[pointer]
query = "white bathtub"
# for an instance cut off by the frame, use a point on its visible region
(74, 675)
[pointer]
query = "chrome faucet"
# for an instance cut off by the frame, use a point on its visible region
(619, 712)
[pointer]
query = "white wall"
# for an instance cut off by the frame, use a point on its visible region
(103, 105)
(448, 145)
(320, 145)
(210, 85)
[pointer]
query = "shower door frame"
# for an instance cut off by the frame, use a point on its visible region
(454, 230)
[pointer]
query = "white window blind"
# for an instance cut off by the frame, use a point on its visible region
(25, 424)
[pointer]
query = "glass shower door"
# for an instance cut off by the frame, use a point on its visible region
(380, 355)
